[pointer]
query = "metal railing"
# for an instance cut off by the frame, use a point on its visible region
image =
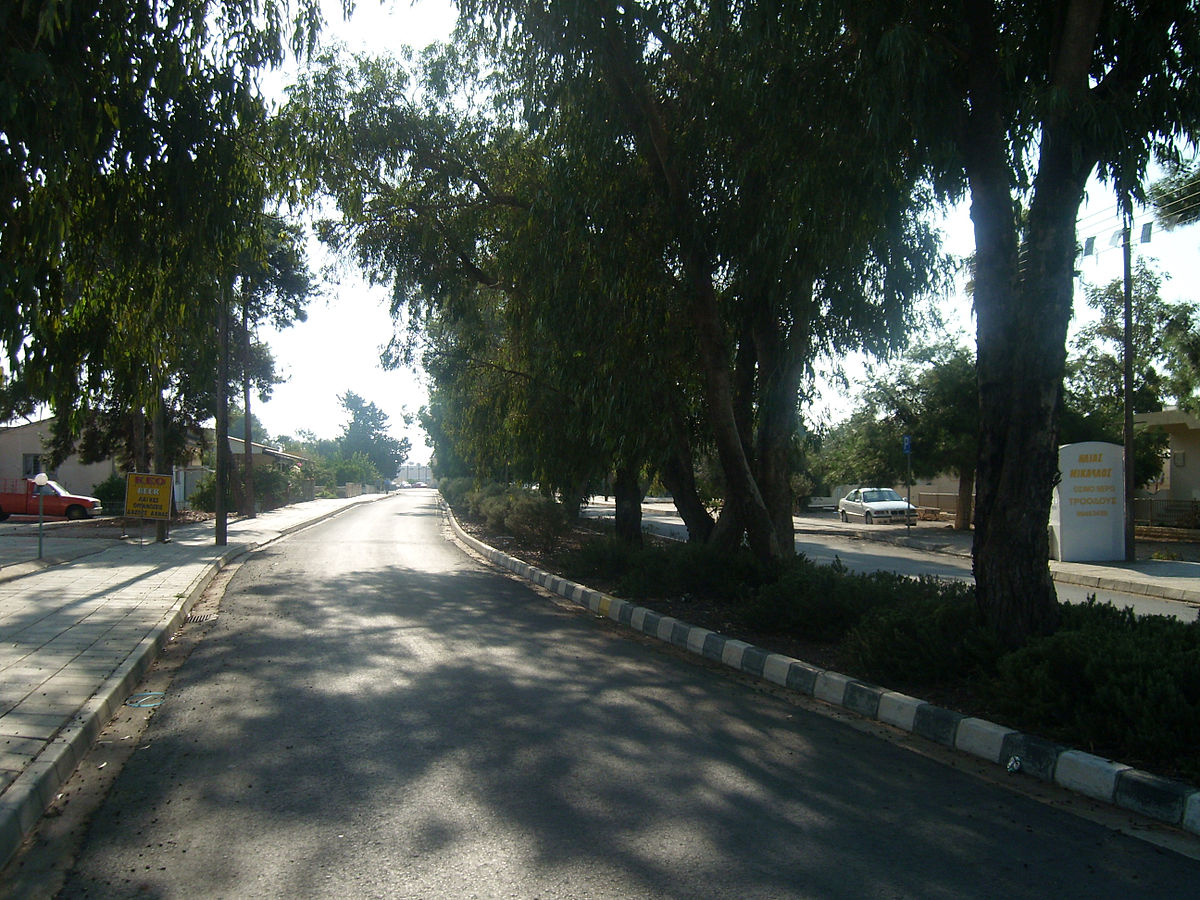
(1166, 513)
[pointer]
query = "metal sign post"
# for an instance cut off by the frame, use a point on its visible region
(148, 496)
(907, 444)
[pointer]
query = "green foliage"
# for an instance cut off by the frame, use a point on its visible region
(111, 494)
(356, 468)
(824, 602)
(366, 436)
(937, 639)
(504, 509)
(272, 487)
(204, 495)
(1112, 683)
(542, 520)
(671, 570)
(1164, 340)
(454, 491)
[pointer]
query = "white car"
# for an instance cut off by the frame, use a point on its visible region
(876, 505)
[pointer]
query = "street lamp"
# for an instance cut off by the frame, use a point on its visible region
(40, 480)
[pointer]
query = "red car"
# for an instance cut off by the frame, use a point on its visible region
(19, 497)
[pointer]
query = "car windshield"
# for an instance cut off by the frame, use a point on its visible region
(880, 496)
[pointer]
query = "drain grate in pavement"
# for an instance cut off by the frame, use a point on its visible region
(201, 617)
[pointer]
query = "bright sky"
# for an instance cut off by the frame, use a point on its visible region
(338, 348)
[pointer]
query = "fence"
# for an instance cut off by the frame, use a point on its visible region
(943, 503)
(1166, 513)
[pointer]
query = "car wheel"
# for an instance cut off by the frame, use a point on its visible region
(867, 519)
(76, 512)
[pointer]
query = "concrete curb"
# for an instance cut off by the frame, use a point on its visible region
(1165, 800)
(32, 792)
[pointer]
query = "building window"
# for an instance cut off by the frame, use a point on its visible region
(32, 463)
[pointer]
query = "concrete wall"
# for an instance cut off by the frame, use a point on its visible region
(19, 442)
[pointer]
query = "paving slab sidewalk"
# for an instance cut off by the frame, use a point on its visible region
(78, 629)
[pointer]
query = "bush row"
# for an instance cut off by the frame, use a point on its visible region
(506, 509)
(1108, 682)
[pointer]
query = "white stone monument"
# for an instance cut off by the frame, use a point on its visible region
(1087, 513)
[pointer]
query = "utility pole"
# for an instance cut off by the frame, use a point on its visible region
(1127, 354)
(222, 524)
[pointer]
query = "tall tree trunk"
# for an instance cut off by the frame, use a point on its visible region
(222, 514)
(679, 477)
(248, 503)
(162, 465)
(1023, 305)
(645, 115)
(628, 495)
(964, 511)
(741, 488)
(780, 370)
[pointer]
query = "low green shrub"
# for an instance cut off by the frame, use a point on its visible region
(488, 503)
(454, 492)
(204, 495)
(931, 640)
(1112, 683)
(533, 517)
(111, 494)
(494, 509)
(823, 602)
(664, 570)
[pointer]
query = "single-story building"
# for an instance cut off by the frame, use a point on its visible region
(22, 448)
(1181, 474)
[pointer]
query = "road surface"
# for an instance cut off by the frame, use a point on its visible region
(376, 714)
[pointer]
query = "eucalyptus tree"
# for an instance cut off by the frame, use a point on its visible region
(1024, 102)
(125, 185)
(274, 285)
(1176, 196)
(788, 227)
(1165, 346)
(531, 289)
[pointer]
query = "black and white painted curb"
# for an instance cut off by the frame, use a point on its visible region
(1162, 799)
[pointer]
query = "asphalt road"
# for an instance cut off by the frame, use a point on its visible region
(375, 714)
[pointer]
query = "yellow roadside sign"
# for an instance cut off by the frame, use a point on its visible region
(148, 496)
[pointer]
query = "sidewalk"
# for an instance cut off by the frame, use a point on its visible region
(1162, 578)
(80, 627)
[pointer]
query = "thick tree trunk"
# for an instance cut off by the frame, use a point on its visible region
(779, 374)
(645, 116)
(222, 514)
(1023, 305)
(965, 510)
(248, 500)
(742, 491)
(678, 474)
(628, 495)
(162, 465)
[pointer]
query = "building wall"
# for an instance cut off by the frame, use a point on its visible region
(21, 448)
(1181, 475)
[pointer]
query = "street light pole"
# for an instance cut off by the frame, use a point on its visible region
(40, 480)
(1127, 374)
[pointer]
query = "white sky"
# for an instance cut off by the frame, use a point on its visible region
(338, 348)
